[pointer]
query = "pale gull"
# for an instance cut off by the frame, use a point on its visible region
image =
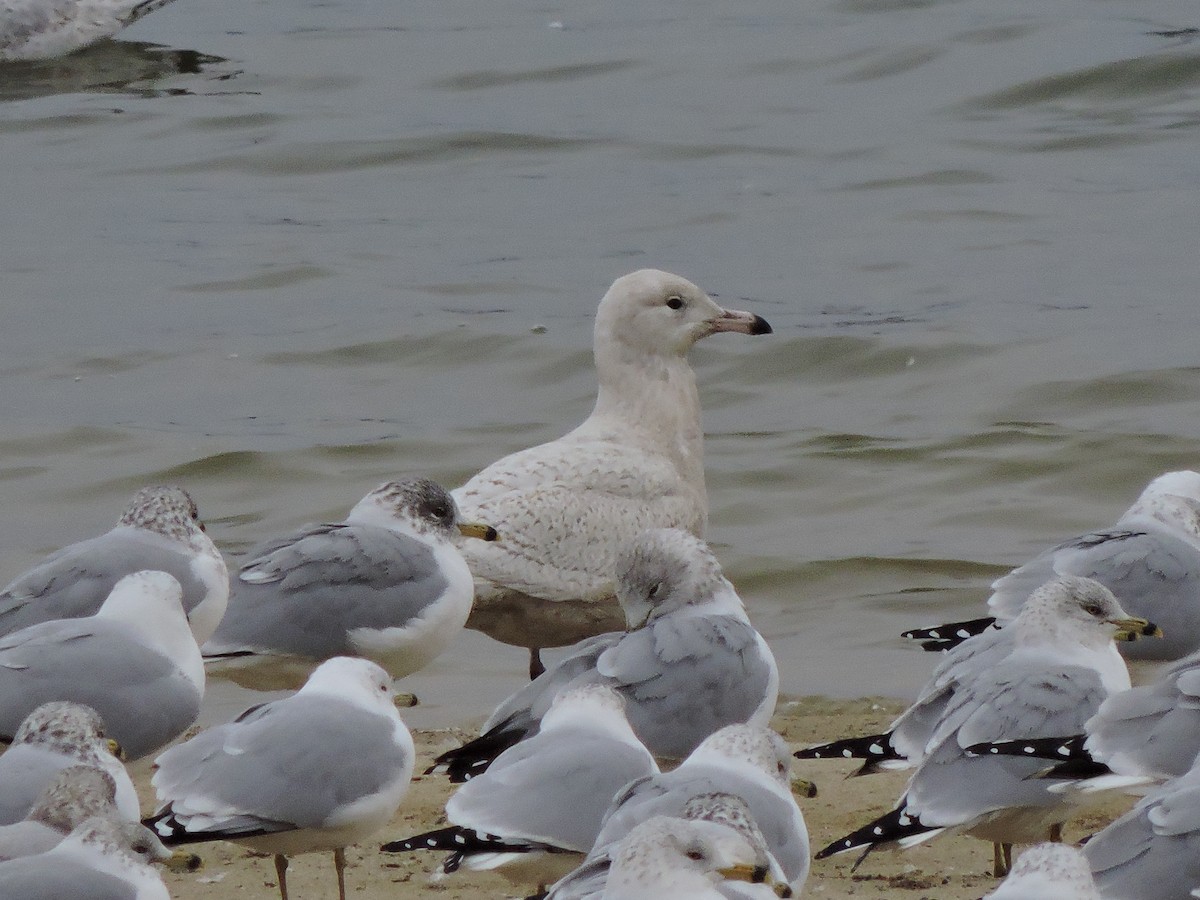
(135, 662)
(388, 584)
(102, 859)
(41, 29)
(160, 530)
(566, 508)
(72, 796)
(1150, 559)
(53, 737)
(689, 663)
(666, 858)
(1153, 851)
(537, 809)
(750, 762)
(316, 771)
(1064, 663)
(1048, 872)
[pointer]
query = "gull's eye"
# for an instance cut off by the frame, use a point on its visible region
(674, 302)
(1093, 609)
(696, 855)
(654, 591)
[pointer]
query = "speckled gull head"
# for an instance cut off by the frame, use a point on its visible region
(72, 729)
(731, 811)
(667, 569)
(652, 313)
(1081, 608)
(74, 795)
(757, 746)
(675, 858)
(418, 506)
(1048, 872)
(166, 510)
(1172, 499)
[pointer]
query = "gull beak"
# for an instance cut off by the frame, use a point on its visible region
(741, 322)
(745, 872)
(115, 749)
(1132, 628)
(478, 530)
(181, 861)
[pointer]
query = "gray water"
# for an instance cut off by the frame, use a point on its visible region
(281, 250)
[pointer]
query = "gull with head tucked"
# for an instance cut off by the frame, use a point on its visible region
(567, 507)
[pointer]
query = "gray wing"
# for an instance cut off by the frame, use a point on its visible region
(292, 763)
(302, 594)
(684, 677)
(52, 878)
(24, 770)
(1017, 701)
(776, 814)
(1155, 575)
(553, 788)
(142, 696)
(1153, 851)
(75, 581)
(1154, 729)
(27, 838)
(531, 701)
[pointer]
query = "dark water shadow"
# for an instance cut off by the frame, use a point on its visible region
(110, 67)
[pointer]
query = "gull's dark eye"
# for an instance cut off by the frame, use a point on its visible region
(654, 591)
(696, 855)
(1093, 609)
(674, 302)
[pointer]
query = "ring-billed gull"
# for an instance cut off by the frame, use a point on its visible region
(666, 858)
(319, 770)
(1048, 872)
(71, 797)
(1064, 663)
(689, 664)
(42, 29)
(53, 737)
(750, 762)
(135, 662)
(1150, 559)
(387, 584)
(160, 530)
(1151, 852)
(567, 507)
(537, 809)
(102, 859)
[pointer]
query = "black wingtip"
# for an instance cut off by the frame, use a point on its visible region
(951, 634)
(473, 758)
(872, 747)
(890, 827)
(1064, 748)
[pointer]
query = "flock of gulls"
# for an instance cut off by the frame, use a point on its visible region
(640, 765)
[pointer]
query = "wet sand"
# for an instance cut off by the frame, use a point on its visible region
(949, 868)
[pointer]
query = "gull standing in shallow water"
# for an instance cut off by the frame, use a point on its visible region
(135, 662)
(319, 770)
(1064, 663)
(537, 809)
(160, 531)
(387, 584)
(1150, 559)
(42, 29)
(53, 737)
(689, 664)
(567, 507)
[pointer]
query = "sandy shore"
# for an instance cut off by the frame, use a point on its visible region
(949, 868)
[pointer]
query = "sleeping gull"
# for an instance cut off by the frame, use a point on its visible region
(41, 29)
(160, 530)
(567, 507)
(689, 664)
(135, 662)
(667, 858)
(537, 809)
(53, 737)
(318, 770)
(749, 762)
(1064, 663)
(1150, 852)
(72, 796)
(102, 859)
(387, 584)
(1150, 559)
(1048, 872)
